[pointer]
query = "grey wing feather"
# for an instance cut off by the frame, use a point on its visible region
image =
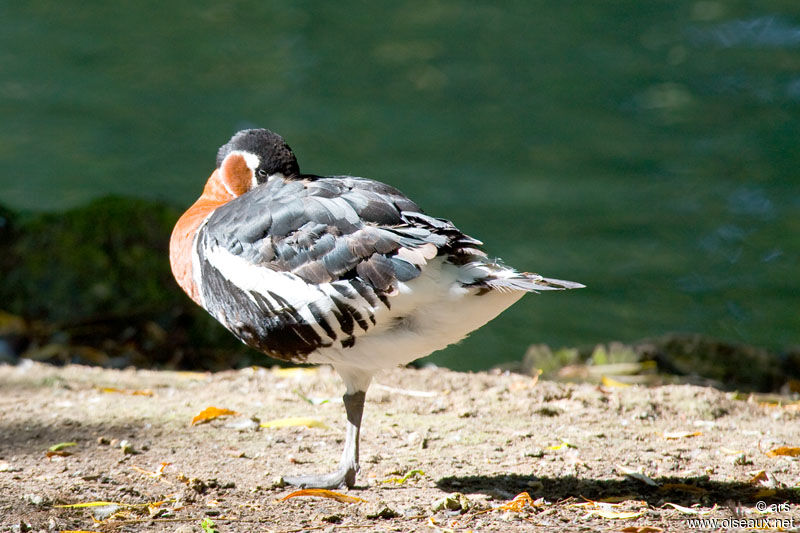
(324, 229)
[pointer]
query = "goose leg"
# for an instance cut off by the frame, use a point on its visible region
(345, 475)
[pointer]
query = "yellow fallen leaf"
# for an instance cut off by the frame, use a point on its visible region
(61, 445)
(294, 372)
(789, 451)
(610, 382)
(210, 413)
(189, 374)
(765, 493)
(106, 504)
(670, 435)
(294, 421)
(92, 504)
(564, 444)
(144, 392)
(323, 493)
(686, 510)
(614, 515)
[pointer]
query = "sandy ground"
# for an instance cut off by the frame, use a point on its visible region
(590, 458)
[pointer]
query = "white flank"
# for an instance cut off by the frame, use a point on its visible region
(427, 313)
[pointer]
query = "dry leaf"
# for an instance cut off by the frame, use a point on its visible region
(686, 510)
(610, 382)
(406, 477)
(564, 444)
(729, 451)
(635, 474)
(294, 372)
(681, 434)
(61, 445)
(789, 451)
(210, 413)
(518, 504)
(592, 503)
(144, 392)
(92, 504)
(433, 523)
(641, 529)
(158, 473)
(765, 493)
(323, 493)
(60, 453)
(614, 515)
(295, 421)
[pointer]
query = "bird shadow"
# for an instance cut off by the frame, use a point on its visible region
(686, 491)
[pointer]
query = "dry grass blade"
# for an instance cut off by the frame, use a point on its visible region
(323, 493)
(295, 421)
(614, 515)
(672, 435)
(114, 390)
(687, 510)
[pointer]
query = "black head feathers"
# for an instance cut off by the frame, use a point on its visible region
(275, 156)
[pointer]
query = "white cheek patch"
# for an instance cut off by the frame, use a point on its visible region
(277, 175)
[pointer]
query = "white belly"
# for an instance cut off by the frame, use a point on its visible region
(431, 312)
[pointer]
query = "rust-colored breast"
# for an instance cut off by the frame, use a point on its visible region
(214, 195)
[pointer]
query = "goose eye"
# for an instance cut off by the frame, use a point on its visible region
(262, 173)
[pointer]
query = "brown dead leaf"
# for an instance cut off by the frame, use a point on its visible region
(323, 493)
(788, 451)
(58, 453)
(641, 529)
(210, 413)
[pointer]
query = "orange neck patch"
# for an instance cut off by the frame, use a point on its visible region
(215, 194)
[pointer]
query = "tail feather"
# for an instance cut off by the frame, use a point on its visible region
(495, 276)
(530, 282)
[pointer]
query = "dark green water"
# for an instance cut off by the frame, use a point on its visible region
(646, 149)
